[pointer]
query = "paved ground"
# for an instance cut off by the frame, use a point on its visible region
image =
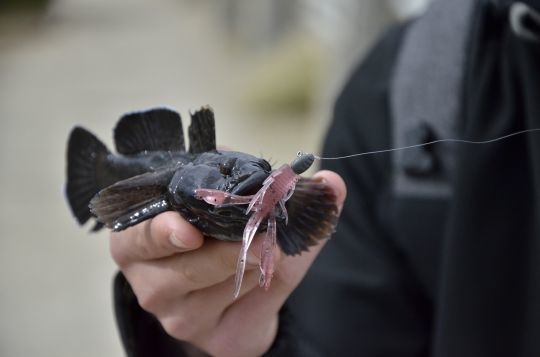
(86, 63)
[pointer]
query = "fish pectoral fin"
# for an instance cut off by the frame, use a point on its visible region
(141, 213)
(157, 129)
(202, 131)
(312, 216)
(133, 200)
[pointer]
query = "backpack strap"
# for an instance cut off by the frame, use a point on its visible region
(425, 97)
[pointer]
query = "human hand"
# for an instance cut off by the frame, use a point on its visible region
(187, 282)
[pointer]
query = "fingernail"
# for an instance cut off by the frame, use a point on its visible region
(176, 241)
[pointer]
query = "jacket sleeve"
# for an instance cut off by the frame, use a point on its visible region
(141, 333)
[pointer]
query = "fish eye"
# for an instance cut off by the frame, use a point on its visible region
(226, 166)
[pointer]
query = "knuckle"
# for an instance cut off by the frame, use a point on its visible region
(117, 252)
(148, 299)
(223, 344)
(163, 244)
(142, 249)
(131, 244)
(179, 327)
(157, 234)
(142, 244)
(191, 274)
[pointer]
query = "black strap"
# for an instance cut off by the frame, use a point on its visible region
(425, 97)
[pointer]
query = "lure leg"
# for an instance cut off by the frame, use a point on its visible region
(267, 256)
(219, 198)
(258, 199)
(284, 210)
(249, 232)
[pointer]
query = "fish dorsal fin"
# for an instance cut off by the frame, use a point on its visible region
(202, 131)
(157, 129)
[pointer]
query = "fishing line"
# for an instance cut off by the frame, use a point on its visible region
(463, 141)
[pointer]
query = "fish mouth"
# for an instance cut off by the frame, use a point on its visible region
(251, 184)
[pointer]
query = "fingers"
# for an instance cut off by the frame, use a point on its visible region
(162, 236)
(156, 282)
(215, 262)
(205, 306)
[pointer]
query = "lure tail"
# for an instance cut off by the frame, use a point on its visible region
(86, 158)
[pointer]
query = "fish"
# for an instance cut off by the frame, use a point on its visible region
(153, 172)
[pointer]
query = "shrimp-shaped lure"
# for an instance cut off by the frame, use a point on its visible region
(267, 203)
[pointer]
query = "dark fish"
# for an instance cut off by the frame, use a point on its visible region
(153, 173)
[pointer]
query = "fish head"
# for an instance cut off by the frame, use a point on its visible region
(234, 172)
(229, 171)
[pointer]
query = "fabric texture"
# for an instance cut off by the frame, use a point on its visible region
(489, 296)
(426, 90)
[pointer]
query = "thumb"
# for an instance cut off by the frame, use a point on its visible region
(336, 183)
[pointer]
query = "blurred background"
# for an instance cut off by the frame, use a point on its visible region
(270, 69)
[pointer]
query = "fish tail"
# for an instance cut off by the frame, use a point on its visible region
(86, 157)
(313, 215)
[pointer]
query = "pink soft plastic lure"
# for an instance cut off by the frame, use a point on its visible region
(267, 203)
